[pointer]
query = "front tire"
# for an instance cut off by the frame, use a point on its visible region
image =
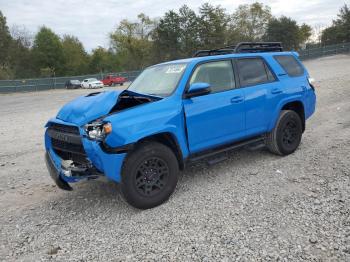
(149, 175)
(285, 137)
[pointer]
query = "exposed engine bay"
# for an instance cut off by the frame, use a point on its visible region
(128, 99)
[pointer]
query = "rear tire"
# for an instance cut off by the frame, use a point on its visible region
(149, 175)
(285, 137)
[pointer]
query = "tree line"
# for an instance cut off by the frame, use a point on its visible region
(145, 41)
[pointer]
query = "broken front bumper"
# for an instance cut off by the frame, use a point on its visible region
(98, 162)
(55, 173)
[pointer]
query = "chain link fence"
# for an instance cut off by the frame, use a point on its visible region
(25, 85)
(324, 51)
(39, 84)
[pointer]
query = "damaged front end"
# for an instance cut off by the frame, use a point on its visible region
(66, 157)
(75, 139)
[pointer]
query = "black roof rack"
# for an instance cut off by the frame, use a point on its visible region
(243, 47)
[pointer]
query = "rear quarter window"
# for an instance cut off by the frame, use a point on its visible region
(290, 65)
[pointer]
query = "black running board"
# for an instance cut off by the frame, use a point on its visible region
(225, 148)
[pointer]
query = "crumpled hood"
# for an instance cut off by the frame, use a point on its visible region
(85, 109)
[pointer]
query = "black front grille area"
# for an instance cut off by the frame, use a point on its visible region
(65, 129)
(67, 144)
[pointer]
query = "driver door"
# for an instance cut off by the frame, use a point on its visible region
(219, 117)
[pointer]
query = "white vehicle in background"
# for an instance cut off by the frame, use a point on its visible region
(91, 83)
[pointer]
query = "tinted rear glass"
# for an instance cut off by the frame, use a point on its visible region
(252, 71)
(290, 65)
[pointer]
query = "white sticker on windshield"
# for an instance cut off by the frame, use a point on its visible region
(175, 69)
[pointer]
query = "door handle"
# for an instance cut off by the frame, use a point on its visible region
(276, 91)
(236, 99)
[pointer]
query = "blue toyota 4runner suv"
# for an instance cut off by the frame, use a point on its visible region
(179, 112)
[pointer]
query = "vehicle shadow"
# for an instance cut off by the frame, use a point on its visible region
(106, 194)
(202, 171)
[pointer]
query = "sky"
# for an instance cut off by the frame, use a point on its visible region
(92, 20)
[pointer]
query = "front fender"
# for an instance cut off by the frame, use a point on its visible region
(131, 126)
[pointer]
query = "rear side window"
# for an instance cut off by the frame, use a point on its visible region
(253, 71)
(290, 65)
(218, 74)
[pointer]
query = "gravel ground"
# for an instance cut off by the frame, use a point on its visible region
(253, 206)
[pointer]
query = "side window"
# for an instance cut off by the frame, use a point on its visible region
(253, 71)
(290, 65)
(218, 74)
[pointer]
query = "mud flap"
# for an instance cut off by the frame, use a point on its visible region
(55, 175)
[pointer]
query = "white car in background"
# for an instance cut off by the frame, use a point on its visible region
(91, 83)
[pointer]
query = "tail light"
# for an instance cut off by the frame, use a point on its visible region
(312, 82)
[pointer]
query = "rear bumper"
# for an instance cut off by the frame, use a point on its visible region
(98, 163)
(311, 107)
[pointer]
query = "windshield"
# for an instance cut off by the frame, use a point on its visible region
(92, 79)
(75, 81)
(158, 80)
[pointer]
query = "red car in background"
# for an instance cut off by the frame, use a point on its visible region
(114, 80)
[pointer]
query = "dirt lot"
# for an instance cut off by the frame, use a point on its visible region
(254, 206)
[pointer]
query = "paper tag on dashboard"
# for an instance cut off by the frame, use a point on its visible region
(175, 69)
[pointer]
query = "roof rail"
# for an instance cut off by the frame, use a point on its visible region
(255, 47)
(243, 47)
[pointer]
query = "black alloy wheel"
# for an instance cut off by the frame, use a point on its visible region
(149, 175)
(285, 137)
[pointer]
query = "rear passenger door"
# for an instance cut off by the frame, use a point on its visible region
(261, 90)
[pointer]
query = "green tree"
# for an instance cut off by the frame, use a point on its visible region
(48, 52)
(340, 29)
(131, 41)
(176, 34)
(189, 31)
(212, 26)
(249, 22)
(305, 32)
(75, 57)
(331, 35)
(21, 60)
(343, 22)
(103, 60)
(20, 53)
(287, 31)
(5, 46)
(167, 35)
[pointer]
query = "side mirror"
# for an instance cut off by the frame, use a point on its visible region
(198, 89)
